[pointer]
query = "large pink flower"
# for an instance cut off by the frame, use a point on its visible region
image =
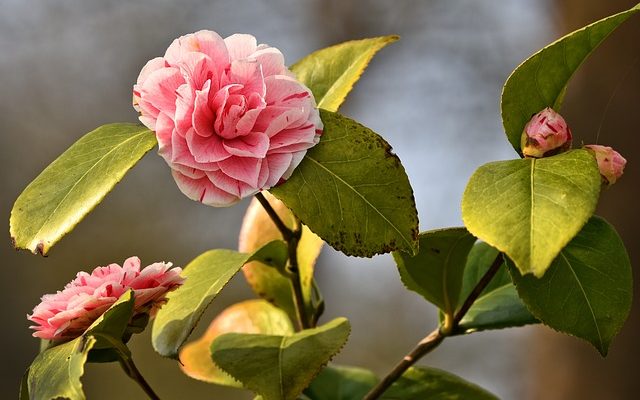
(68, 313)
(229, 117)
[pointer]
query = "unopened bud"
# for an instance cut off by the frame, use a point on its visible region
(545, 134)
(610, 163)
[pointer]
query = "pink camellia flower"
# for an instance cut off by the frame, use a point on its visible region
(610, 163)
(545, 134)
(229, 117)
(66, 314)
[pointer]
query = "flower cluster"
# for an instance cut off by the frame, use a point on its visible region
(229, 116)
(66, 314)
(547, 134)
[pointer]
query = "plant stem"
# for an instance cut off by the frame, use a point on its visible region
(284, 230)
(436, 337)
(477, 290)
(292, 237)
(424, 347)
(127, 364)
(132, 371)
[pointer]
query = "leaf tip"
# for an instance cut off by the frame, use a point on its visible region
(41, 249)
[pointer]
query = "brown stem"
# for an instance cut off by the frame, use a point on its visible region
(292, 237)
(424, 347)
(436, 337)
(284, 230)
(477, 290)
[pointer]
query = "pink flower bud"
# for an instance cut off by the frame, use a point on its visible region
(545, 134)
(610, 163)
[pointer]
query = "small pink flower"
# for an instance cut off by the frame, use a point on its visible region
(229, 116)
(68, 313)
(545, 134)
(610, 163)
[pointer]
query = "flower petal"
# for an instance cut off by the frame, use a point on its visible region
(245, 169)
(240, 46)
(204, 191)
(255, 145)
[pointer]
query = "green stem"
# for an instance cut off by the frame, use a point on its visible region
(292, 237)
(127, 364)
(433, 340)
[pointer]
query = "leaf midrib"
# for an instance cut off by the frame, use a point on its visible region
(82, 178)
(586, 299)
(335, 176)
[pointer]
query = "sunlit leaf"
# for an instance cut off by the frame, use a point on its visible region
(531, 208)
(71, 186)
(251, 316)
(279, 367)
(331, 72)
(205, 277)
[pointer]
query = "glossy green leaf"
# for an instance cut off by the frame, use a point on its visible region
(258, 229)
(337, 382)
(330, 73)
(279, 367)
(251, 316)
(56, 372)
(531, 208)
(436, 271)
(352, 191)
(431, 383)
(498, 305)
(205, 277)
(542, 79)
(114, 321)
(71, 186)
(587, 292)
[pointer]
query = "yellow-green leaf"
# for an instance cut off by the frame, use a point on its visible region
(330, 73)
(72, 185)
(250, 316)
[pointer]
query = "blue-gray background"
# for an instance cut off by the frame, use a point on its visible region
(68, 66)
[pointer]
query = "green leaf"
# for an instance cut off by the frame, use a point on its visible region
(436, 271)
(114, 321)
(71, 186)
(338, 382)
(56, 372)
(353, 192)
(205, 277)
(498, 305)
(431, 383)
(330, 73)
(542, 79)
(279, 367)
(531, 208)
(587, 292)
(251, 316)
(24, 386)
(257, 230)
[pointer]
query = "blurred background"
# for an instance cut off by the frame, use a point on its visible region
(68, 66)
